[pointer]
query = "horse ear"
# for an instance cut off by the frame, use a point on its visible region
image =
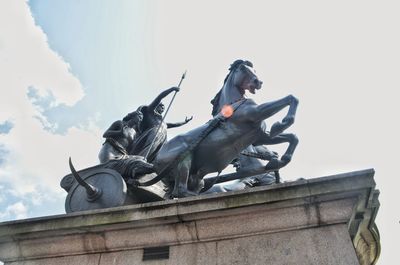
(236, 64)
(248, 63)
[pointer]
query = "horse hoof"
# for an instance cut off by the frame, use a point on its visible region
(288, 120)
(187, 194)
(273, 164)
(286, 158)
(182, 194)
(276, 129)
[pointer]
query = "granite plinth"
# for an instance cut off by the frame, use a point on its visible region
(316, 221)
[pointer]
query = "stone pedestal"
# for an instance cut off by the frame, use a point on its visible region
(328, 220)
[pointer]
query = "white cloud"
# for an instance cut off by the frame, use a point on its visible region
(1, 193)
(17, 210)
(36, 158)
(27, 59)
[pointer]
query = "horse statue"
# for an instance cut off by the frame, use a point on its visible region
(183, 161)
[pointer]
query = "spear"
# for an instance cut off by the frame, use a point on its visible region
(165, 114)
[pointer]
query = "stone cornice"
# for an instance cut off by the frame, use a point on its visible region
(348, 198)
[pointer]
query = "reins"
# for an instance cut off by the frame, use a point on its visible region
(213, 124)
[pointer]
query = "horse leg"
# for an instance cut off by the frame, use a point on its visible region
(181, 179)
(287, 121)
(266, 110)
(196, 182)
(290, 138)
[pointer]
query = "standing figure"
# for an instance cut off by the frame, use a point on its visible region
(153, 128)
(119, 136)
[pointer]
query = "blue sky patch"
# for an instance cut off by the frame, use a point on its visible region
(57, 118)
(3, 154)
(37, 100)
(6, 127)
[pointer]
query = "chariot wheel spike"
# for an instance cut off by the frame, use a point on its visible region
(93, 193)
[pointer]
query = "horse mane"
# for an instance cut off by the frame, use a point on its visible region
(231, 69)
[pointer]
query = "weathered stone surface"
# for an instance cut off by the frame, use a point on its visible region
(301, 222)
(92, 259)
(318, 246)
(200, 253)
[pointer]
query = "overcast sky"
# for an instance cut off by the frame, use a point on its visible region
(71, 68)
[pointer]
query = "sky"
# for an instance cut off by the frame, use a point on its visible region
(71, 68)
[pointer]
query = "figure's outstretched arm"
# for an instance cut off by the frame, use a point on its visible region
(177, 124)
(162, 95)
(116, 129)
(268, 154)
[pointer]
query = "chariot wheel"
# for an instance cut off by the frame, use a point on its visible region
(108, 190)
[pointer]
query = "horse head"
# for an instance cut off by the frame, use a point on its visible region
(241, 77)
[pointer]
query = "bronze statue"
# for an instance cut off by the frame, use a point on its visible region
(181, 163)
(152, 130)
(119, 136)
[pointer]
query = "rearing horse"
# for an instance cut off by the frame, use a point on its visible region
(242, 124)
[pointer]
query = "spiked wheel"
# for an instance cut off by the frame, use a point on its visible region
(110, 184)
